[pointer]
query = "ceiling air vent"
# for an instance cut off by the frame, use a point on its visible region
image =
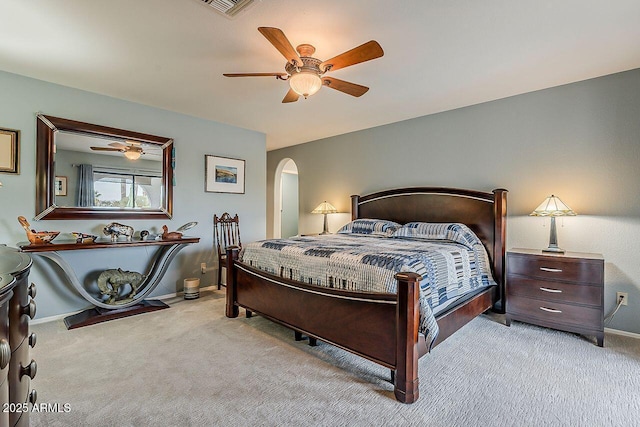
(229, 8)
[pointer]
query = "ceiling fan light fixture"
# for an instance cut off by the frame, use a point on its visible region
(132, 155)
(305, 83)
(306, 73)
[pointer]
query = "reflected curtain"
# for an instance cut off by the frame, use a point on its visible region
(86, 194)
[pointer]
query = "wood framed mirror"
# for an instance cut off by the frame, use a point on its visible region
(88, 171)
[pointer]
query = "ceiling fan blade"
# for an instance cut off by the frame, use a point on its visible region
(281, 42)
(365, 52)
(255, 74)
(106, 149)
(118, 145)
(291, 96)
(346, 87)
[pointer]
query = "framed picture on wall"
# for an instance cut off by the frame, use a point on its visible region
(9, 151)
(223, 175)
(61, 185)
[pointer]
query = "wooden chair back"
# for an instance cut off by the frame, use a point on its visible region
(226, 231)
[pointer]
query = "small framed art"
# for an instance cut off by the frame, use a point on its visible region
(9, 151)
(61, 185)
(223, 175)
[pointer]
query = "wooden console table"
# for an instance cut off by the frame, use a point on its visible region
(167, 250)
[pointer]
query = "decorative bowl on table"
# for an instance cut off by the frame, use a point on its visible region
(37, 237)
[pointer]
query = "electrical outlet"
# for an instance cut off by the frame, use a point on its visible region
(624, 296)
(203, 267)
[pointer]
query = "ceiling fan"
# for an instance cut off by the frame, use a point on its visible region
(130, 149)
(306, 73)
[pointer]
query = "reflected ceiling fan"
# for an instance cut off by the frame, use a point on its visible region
(306, 73)
(130, 149)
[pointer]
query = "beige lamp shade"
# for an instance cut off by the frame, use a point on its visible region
(305, 83)
(553, 206)
(132, 155)
(324, 208)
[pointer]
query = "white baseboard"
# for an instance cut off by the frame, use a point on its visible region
(53, 318)
(624, 333)
(160, 297)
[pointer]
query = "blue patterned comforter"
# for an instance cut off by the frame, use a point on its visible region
(367, 263)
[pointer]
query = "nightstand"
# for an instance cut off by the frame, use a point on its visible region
(559, 291)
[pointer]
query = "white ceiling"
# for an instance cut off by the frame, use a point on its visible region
(439, 54)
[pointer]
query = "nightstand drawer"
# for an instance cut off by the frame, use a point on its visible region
(546, 313)
(552, 268)
(554, 291)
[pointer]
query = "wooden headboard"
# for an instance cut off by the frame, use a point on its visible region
(484, 213)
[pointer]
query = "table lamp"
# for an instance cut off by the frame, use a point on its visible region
(553, 207)
(325, 208)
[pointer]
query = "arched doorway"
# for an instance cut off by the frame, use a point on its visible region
(286, 204)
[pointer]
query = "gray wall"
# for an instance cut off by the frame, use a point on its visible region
(22, 97)
(580, 142)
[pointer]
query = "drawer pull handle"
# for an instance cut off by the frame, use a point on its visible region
(29, 309)
(33, 338)
(553, 291)
(33, 290)
(5, 353)
(551, 270)
(550, 310)
(30, 370)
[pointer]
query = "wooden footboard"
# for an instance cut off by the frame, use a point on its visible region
(380, 327)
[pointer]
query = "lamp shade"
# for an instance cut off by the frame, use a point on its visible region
(324, 208)
(553, 206)
(132, 155)
(305, 83)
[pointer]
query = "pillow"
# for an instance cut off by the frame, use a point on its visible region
(454, 232)
(373, 227)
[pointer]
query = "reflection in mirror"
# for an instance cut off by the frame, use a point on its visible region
(101, 172)
(90, 171)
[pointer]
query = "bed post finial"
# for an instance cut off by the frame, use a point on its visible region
(407, 323)
(232, 256)
(354, 206)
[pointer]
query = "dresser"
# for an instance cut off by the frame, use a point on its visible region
(559, 291)
(15, 340)
(7, 283)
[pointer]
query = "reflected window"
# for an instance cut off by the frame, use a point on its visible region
(126, 190)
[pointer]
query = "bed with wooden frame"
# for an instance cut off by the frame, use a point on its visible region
(381, 327)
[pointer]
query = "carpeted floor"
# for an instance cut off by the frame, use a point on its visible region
(191, 366)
